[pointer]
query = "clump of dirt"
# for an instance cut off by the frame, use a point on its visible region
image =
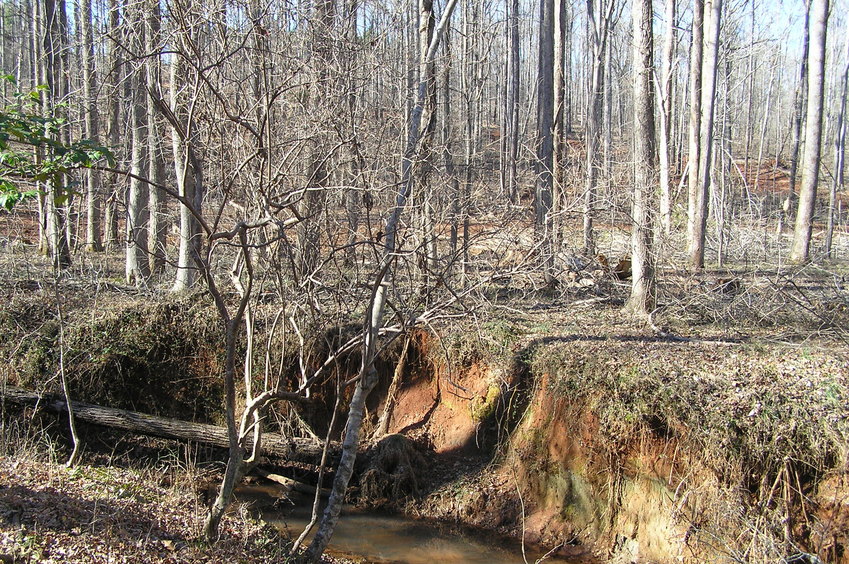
(391, 470)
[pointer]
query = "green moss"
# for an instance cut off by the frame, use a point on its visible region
(483, 408)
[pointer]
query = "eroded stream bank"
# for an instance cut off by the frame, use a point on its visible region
(584, 435)
(632, 448)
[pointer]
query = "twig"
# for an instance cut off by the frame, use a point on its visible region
(75, 453)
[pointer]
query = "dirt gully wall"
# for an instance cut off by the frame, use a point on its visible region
(637, 450)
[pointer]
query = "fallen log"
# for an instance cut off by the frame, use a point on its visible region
(273, 444)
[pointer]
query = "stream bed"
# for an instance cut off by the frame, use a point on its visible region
(387, 538)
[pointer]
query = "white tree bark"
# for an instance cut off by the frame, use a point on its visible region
(641, 300)
(713, 11)
(800, 252)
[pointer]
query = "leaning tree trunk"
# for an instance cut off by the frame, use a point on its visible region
(641, 301)
(368, 373)
(799, 253)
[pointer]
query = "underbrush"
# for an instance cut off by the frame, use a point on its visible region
(159, 356)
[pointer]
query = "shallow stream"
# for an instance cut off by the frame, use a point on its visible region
(383, 538)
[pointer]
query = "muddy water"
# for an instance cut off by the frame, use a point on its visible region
(388, 538)
(381, 538)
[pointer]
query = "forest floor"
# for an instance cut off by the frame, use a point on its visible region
(98, 512)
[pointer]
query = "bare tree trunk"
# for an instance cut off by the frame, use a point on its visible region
(694, 157)
(750, 93)
(322, 26)
(189, 184)
(666, 116)
(545, 123)
(641, 300)
(92, 125)
(115, 64)
(136, 269)
(423, 197)
(157, 226)
(598, 25)
(709, 68)
(559, 129)
(799, 253)
(839, 155)
(799, 112)
(56, 199)
(512, 120)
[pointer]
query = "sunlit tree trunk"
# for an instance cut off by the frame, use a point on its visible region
(136, 267)
(713, 11)
(115, 64)
(321, 98)
(368, 374)
(92, 125)
(157, 226)
(56, 198)
(188, 178)
(598, 25)
(545, 123)
(641, 300)
(693, 156)
(799, 111)
(839, 155)
(666, 116)
(799, 253)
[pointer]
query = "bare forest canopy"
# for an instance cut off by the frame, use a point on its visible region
(274, 112)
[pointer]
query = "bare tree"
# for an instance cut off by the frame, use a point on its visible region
(695, 148)
(665, 96)
(92, 125)
(800, 105)
(136, 268)
(374, 321)
(188, 172)
(641, 300)
(545, 139)
(600, 15)
(713, 9)
(839, 155)
(511, 130)
(54, 66)
(800, 250)
(157, 226)
(114, 68)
